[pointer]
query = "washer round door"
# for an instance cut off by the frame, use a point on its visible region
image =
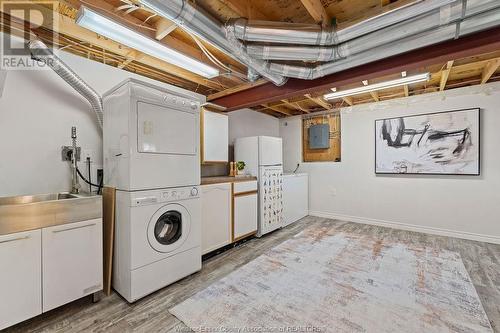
(169, 228)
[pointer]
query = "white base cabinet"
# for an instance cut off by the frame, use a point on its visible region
(295, 197)
(72, 262)
(216, 216)
(20, 277)
(245, 209)
(56, 264)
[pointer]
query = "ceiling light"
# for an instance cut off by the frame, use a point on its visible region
(126, 36)
(379, 86)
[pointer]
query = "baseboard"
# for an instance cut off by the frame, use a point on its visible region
(409, 227)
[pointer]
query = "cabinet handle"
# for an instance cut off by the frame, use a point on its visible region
(79, 227)
(14, 239)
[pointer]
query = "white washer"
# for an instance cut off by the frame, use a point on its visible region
(157, 239)
(151, 137)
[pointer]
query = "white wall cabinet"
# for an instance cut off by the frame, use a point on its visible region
(216, 216)
(72, 262)
(215, 137)
(20, 277)
(245, 209)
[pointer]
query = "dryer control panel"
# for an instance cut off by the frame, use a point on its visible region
(144, 198)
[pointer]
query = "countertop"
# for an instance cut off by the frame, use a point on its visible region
(226, 179)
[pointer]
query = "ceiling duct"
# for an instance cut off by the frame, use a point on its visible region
(426, 22)
(40, 51)
(200, 23)
(418, 24)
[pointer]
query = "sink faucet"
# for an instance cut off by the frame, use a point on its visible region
(75, 183)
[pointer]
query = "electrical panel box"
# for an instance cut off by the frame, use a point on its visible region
(319, 136)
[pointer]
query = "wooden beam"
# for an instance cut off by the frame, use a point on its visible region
(374, 95)
(279, 109)
(320, 101)
(444, 75)
(471, 45)
(245, 9)
(489, 69)
(163, 28)
(349, 100)
(406, 90)
(317, 11)
(236, 89)
(295, 106)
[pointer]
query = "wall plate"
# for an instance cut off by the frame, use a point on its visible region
(65, 153)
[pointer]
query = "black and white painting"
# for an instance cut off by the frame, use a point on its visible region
(435, 143)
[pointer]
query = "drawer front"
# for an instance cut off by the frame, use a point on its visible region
(20, 277)
(245, 186)
(72, 262)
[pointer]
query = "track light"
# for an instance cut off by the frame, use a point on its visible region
(113, 30)
(379, 86)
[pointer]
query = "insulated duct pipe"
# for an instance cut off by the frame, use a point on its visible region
(40, 51)
(311, 34)
(426, 22)
(200, 23)
(473, 24)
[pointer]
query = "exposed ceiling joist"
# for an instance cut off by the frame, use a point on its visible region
(317, 11)
(445, 73)
(279, 109)
(163, 28)
(236, 89)
(489, 69)
(67, 26)
(320, 101)
(349, 100)
(478, 43)
(245, 9)
(295, 106)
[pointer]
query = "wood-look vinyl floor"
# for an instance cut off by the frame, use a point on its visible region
(150, 314)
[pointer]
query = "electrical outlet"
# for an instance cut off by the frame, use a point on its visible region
(333, 191)
(88, 153)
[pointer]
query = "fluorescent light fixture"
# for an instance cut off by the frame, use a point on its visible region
(103, 26)
(379, 86)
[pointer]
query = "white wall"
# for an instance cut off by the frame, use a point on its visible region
(247, 122)
(462, 206)
(37, 110)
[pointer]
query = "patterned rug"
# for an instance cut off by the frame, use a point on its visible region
(336, 282)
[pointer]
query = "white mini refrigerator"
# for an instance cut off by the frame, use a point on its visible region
(263, 157)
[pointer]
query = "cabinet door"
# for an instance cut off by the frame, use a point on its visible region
(216, 216)
(72, 262)
(20, 277)
(215, 137)
(245, 215)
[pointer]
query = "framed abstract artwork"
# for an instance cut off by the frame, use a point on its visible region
(443, 143)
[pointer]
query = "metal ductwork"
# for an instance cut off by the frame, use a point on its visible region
(418, 24)
(200, 23)
(476, 23)
(434, 19)
(40, 52)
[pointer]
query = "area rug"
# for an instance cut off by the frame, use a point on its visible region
(325, 281)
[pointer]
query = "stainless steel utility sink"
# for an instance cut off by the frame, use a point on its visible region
(27, 199)
(28, 212)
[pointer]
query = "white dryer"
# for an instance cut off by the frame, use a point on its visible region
(151, 137)
(157, 239)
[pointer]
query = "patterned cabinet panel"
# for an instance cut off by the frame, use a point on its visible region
(271, 199)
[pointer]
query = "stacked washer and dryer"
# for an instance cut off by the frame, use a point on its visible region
(152, 158)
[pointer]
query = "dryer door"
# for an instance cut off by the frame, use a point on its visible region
(169, 228)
